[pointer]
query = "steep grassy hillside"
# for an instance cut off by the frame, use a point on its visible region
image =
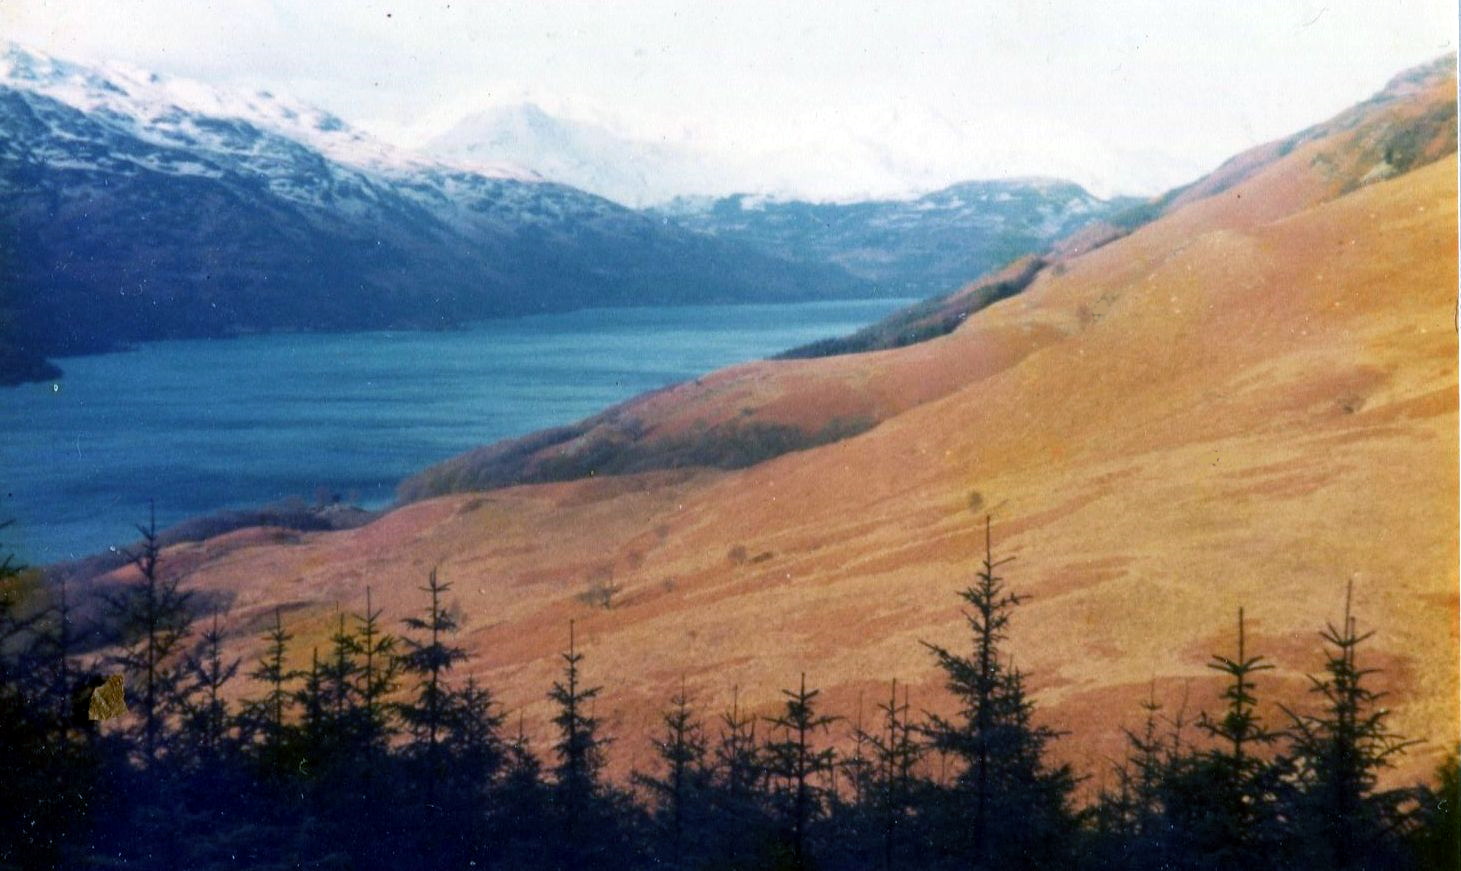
(750, 413)
(1250, 400)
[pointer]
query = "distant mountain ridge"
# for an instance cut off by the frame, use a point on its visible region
(141, 208)
(916, 247)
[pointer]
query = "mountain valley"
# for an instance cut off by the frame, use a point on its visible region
(1247, 398)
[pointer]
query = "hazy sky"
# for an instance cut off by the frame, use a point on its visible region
(859, 96)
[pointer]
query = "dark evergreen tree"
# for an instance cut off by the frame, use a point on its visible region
(474, 740)
(740, 768)
(1435, 841)
(679, 796)
(579, 749)
(219, 812)
(895, 752)
(152, 619)
(264, 721)
(1132, 825)
(856, 766)
(740, 835)
(427, 661)
(1240, 729)
(340, 688)
(477, 757)
(378, 678)
(427, 713)
(795, 766)
(460, 796)
(1141, 777)
(595, 824)
(50, 760)
(331, 744)
(1340, 751)
(1006, 807)
(473, 756)
(522, 807)
(206, 725)
(849, 834)
(313, 738)
(1223, 804)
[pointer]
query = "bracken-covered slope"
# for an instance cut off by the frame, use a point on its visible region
(1249, 401)
(750, 413)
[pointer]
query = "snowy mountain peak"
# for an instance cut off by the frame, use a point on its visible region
(171, 111)
(630, 171)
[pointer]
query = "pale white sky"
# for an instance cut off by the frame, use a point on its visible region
(1132, 96)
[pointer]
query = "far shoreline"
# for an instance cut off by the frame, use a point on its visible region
(41, 369)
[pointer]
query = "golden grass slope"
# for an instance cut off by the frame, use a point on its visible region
(749, 413)
(1249, 402)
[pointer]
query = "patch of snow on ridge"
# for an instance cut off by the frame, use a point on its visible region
(166, 111)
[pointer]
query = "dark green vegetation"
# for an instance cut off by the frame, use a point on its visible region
(614, 443)
(928, 319)
(286, 516)
(377, 755)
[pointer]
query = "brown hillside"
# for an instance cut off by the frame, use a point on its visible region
(750, 413)
(1249, 401)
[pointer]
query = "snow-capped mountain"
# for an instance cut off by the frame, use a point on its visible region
(169, 111)
(589, 157)
(926, 245)
(140, 207)
(923, 245)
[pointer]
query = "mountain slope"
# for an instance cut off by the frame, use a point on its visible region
(131, 214)
(1251, 400)
(759, 410)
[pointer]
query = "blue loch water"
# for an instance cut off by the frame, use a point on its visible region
(201, 425)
